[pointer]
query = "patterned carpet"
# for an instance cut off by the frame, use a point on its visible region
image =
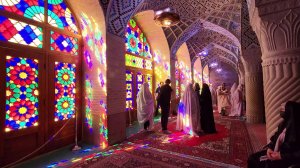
(229, 147)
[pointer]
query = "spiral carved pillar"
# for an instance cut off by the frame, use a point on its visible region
(251, 59)
(278, 29)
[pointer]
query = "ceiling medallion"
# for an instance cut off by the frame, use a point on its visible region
(166, 18)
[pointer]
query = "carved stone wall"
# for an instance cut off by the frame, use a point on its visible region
(278, 29)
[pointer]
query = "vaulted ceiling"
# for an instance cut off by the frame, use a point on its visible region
(210, 25)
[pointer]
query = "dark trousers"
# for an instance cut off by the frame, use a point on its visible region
(165, 109)
(254, 162)
(146, 125)
(157, 107)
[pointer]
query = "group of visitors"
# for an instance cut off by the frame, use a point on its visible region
(230, 100)
(195, 111)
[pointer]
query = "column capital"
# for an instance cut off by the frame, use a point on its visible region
(251, 59)
(278, 31)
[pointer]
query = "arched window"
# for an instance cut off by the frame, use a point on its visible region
(39, 50)
(138, 61)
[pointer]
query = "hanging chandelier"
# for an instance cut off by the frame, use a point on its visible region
(166, 18)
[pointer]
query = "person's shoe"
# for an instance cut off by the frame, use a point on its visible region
(166, 132)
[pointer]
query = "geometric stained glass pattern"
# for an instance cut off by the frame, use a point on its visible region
(129, 88)
(134, 61)
(32, 9)
(64, 91)
(133, 38)
(146, 51)
(64, 43)
(20, 32)
(149, 80)
(139, 81)
(21, 93)
(148, 64)
(60, 16)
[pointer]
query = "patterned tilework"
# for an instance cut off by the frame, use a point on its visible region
(20, 32)
(249, 37)
(120, 12)
(63, 43)
(32, 9)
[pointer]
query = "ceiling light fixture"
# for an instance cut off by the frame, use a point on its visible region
(166, 18)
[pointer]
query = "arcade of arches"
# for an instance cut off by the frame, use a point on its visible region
(73, 69)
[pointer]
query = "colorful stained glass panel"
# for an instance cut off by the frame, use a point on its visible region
(133, 38)
(149, 80)
(148, 64)
(146, 50)
(129, 83)
(64, 43)
(32, 9)
(60, 16)
(139, 81)
(133, 61)
(21, 93)
(20, 32)
(64, 91)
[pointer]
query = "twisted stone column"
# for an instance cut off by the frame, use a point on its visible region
(251, 59)
(277, 26)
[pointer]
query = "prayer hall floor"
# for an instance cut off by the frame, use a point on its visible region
(229, 147)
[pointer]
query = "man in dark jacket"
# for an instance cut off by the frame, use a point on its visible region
(164, 99)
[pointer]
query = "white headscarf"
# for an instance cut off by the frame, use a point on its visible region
(233, 88)
(188, 118)
(145, 105)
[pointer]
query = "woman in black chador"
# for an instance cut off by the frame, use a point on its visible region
(284, 148)
(206, 114)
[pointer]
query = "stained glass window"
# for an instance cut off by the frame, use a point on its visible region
(64, 91)
(21, 93)
(134, 38)
(60, 16)
(139, 81)
(148, 64)
(20, 32)
(64, 43)
(146, 51)
(149, 80)
(32, 9)
(129, 97)
(133, 61)
(88, 115)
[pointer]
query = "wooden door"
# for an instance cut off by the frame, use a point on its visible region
(64, 99)
(22, 103)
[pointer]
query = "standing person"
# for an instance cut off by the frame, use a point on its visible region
(237, 101)
(223, 98)
(233, 99)
(157, 91)
(164, 99)
(207, 116)
(188, 118)
(145, 107)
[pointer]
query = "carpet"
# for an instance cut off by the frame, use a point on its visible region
(229, 147)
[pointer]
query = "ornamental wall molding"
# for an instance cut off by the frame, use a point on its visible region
(280, 60)
(267, 7)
